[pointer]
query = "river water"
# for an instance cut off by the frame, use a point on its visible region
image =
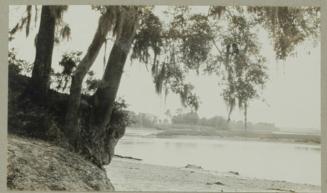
(291, 162)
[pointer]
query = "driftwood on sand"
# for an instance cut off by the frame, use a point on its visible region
(128, 157)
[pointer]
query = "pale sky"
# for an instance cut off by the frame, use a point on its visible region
(291, 97)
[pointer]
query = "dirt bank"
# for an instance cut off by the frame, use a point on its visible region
(36, 165)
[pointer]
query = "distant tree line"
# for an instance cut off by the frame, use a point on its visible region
(145, 120)
(218, 122)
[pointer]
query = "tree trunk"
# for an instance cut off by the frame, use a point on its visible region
(102, 137)
(106, 94)
(72, 129)
(40, 81)
(245, 116)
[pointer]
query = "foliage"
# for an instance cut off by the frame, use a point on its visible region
(148, 37)
(143, 120)
(114, 17)
(243, 73)
(24, 117)
(68, 63)
(191, 118)
(120, 117)
(196, 40)
(288, 26)
(186, 42)
(18, 66)
(216, 122)
(91, 84)
(63, 30)
(175, 50)
(62, 80)
(190, 39)
(25, 21)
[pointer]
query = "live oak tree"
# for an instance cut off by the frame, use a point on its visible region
(108, 20)
(244, 73)
(104, 136)
(94, 135)
(50, 22)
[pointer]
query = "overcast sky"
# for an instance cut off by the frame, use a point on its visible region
(291, 97)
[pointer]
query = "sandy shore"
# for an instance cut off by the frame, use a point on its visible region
(132, 175)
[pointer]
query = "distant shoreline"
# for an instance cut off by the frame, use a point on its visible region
(238, 138)
(234, 135)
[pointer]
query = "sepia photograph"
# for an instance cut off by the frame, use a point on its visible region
(164, 98)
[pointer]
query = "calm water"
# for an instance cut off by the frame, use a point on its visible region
(268, 160)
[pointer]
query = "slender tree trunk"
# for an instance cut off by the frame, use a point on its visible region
(40, 81)
(102, 140)
(245, 115)
(229, 113)
(72, 129)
